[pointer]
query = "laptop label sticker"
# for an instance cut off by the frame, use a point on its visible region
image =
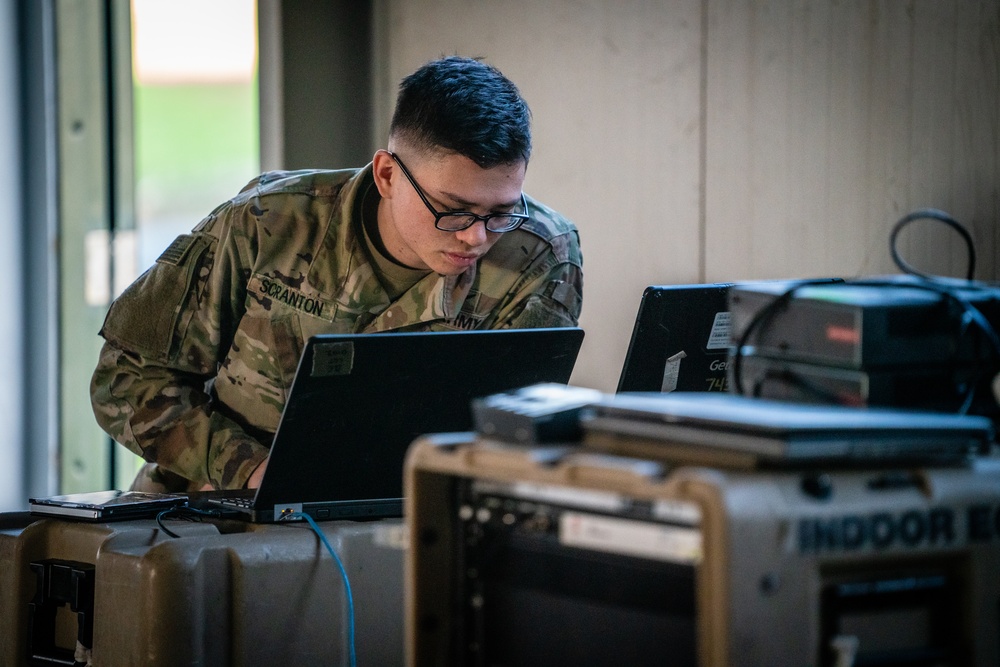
(671, 371)
(333, 359)
(718, 339)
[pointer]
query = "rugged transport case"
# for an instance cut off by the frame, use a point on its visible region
(568, 556)
(223, 593)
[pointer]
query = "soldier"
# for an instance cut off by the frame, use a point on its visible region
(434, 234)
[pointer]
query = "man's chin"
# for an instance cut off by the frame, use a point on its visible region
(447, 273)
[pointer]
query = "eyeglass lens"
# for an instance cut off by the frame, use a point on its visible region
(456, 221)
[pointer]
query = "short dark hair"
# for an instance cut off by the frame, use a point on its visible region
(464, 106)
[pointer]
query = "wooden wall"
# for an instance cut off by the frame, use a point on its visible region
(827, 121)
(722, 140)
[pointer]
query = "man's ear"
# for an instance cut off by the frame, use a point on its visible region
(384, 170)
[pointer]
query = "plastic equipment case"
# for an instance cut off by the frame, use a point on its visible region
(563, 556)
(223, 593)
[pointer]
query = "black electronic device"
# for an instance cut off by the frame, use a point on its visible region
(536, 554)
(898, 341)
(539, 413)
(111, 505)
(871, 323)
(681, 338)
(738, 431)
(359, 400)
(932, 387)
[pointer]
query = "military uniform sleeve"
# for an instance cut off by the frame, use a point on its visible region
(550, 293)
(165, 336)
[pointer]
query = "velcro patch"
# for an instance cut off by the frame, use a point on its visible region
(175, 251)
(566, 294)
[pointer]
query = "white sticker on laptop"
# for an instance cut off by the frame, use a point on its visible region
(672, 371)
(332, 359)
(718, 338)
(628, 537)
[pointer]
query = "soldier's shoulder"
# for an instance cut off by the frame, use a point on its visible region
(312, 182)
(550, 229)
(280, 197)
(545, 221)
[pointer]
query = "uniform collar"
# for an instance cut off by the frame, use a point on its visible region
(343, 271)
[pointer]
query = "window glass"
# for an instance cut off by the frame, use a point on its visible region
(196, 112)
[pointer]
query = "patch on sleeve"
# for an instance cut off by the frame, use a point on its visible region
(146, 315)
(566, 294)
(541, 311)
(175, 252)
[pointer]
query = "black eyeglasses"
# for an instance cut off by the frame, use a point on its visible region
(456, 221)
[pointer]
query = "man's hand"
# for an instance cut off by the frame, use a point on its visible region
(257, 475)
(252, 483)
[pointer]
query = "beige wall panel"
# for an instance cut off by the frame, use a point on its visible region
(790, 150)
(827, 122)
(614, 87)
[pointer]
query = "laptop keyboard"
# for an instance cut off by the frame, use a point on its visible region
(242, 503)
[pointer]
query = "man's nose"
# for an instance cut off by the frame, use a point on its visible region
(475, 235)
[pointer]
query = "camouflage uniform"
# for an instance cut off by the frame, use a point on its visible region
(200, 351)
